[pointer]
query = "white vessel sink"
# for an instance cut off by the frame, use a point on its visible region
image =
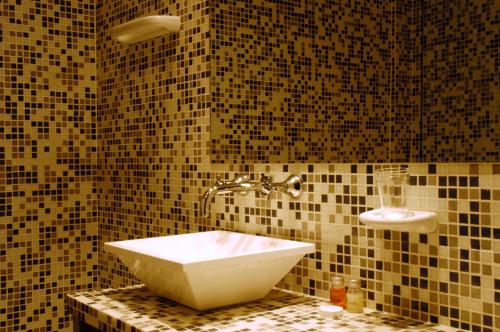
(210, 269)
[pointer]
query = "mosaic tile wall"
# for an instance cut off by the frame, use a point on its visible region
(344, 83)
(154, 164)
(405, 135)
(48, 154)
(305, 81)
(153, 125)
(461, 99)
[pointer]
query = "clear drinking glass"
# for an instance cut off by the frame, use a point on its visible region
(392, 184)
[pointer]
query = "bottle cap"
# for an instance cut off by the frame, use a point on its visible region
(354, 283)
(330, 311)
(338, 282)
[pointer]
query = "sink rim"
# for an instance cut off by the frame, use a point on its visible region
(291, 248)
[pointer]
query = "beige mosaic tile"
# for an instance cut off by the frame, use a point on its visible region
(435, 277)
(134, 308)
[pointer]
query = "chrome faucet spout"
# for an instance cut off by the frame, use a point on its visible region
(207, 197)
(242, 184)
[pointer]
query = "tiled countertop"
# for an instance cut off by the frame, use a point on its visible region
(134, 308)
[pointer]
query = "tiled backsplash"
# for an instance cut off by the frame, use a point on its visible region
(447, 276)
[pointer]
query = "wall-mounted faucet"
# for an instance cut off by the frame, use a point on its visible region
(242, 184)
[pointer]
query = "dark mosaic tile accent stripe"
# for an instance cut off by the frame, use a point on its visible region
(48, 150)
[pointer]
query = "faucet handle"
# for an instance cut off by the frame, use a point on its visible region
(266, 179)
(218, 180)
(292, 186)
(241, 178)
(267, 186)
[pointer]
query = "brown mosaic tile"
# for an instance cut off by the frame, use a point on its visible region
(297, 81)
(48, 150)
(460, 88)
(384, 99)
(153, 126)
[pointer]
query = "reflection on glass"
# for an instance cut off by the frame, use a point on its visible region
(392, 185)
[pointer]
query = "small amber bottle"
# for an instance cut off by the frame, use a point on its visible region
(337, 292)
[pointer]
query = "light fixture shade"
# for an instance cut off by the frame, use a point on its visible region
(145, 28)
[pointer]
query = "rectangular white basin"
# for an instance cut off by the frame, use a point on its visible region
(210, 269)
